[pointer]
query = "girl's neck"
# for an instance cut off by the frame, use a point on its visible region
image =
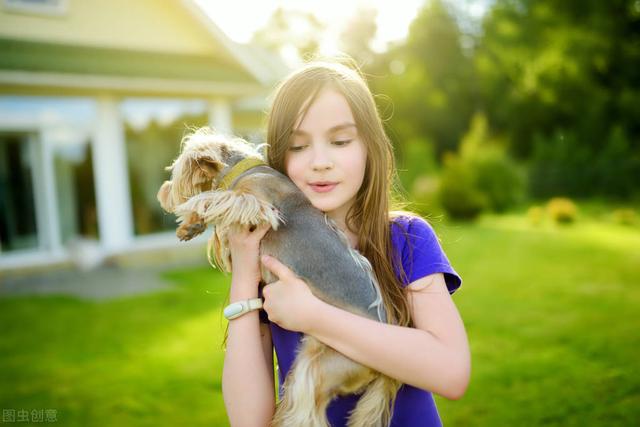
(352, 237)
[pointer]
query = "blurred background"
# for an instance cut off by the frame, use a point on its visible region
(516, 127)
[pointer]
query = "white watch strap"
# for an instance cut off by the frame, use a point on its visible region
(237, 309)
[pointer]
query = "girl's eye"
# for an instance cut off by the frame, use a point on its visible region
(297, 148)
(344, 142)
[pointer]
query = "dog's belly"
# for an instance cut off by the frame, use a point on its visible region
(313, 250)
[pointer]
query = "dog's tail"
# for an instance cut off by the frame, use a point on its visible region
(375, 407)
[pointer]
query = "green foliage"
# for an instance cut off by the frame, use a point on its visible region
(558, 81)
(625, 216)
(499, 179)
(458, 190)
(563, 164)
(563, 75)
(617, 166)
(358, 34)
(415, 158)
(430, 80)
(562, 210)
(497, 175)
(426, 197)
(291, 28)
(535, 214)
(481, 176)
(559, 166)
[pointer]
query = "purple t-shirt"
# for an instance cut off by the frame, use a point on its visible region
(421, 255)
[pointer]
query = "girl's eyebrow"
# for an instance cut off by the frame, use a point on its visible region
(333, 129)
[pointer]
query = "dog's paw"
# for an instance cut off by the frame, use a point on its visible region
(190, 230)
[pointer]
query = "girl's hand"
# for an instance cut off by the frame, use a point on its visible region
(288, 301)
(244, 246)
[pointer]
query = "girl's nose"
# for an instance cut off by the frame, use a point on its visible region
(321, 159)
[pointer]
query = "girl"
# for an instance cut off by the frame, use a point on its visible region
(324, 132)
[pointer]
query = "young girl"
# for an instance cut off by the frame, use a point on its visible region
(324, 132)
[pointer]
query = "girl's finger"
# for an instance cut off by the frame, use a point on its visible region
(277, 268)
(260, 230)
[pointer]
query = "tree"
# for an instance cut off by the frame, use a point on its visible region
(429, 79)
(291, 29)
(564, 74)
(358, 34)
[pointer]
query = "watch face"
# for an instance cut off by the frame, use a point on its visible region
(232, 310)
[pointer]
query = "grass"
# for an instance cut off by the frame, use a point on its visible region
(552, 317)
(152, 360)
(551, 314)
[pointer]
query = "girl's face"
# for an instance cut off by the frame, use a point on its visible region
(326, 158)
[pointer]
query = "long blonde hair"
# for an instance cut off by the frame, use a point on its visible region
(370, 215)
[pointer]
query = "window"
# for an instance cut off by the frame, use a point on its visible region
(37, 7)
(153, 130)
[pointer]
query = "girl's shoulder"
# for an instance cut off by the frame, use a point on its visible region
(419, 249)
(408, 225)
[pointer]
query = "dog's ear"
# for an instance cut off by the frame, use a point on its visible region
(164, 197)
(208, 165)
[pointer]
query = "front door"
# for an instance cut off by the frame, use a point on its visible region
(18, 229)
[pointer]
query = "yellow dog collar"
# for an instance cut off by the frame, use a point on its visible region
(238, 169)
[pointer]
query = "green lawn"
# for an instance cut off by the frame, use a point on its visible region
(552, 315)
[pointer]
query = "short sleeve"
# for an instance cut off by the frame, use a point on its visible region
(420, 252)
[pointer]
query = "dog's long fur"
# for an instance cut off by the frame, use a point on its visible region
(304, 239)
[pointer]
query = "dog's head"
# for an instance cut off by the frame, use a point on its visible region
(204, 155)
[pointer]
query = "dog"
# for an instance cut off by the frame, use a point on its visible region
(223, 181)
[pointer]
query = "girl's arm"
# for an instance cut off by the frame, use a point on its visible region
(247, 375)
(433, 356)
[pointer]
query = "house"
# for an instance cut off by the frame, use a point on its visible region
(94, 99)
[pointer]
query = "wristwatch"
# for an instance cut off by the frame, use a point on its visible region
(237, 309)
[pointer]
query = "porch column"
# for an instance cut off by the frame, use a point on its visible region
(113, 197)
(220, 115)
(45, 194)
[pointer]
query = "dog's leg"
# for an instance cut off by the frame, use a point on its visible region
(375, 407)
(318, 375)
(227, 207)
(299, 406)
(190, 227)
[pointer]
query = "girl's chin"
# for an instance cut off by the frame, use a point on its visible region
(324, 207)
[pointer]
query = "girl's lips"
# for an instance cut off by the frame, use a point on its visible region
(322, 188)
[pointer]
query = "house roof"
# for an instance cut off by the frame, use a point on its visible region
(230, 69)
(20, 55)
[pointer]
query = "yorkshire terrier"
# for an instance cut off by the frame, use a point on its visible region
(224, 182)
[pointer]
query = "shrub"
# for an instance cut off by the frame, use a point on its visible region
(481, 176)
(625, 217)
(458, 191)
(563, 163)
(416, 159)
(535, 215)
(498, 178)
(424, 196)
(562, 210)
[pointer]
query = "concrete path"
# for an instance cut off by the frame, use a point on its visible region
(103, 283)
